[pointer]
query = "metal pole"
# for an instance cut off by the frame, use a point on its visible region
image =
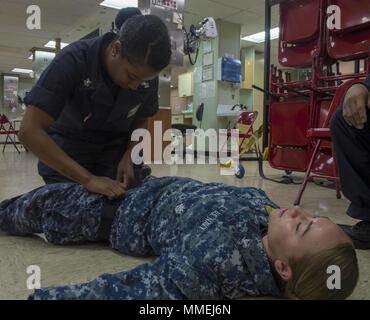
(267, 72)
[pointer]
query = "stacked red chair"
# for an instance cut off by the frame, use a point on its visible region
(297, 45)
(300, 111)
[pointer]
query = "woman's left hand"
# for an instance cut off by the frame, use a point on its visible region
(125, 171)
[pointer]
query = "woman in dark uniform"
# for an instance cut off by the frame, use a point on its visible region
(83, 109)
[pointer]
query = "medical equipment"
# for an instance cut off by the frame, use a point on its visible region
(193, 38)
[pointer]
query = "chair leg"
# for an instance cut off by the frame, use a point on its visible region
(12, 142)
(307, 177)
(223, 146)
(5, 143)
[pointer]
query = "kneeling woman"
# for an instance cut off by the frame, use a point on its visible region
(213, 241)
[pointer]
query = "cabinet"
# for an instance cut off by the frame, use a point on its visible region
(158, 146)
(186, 85)
(248, 74)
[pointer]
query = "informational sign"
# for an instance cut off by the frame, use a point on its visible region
(207, 73)
(169, 4)
(208, 59)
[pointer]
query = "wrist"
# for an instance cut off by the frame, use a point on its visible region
(85, 178)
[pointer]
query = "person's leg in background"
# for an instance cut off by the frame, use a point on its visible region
(352, 147)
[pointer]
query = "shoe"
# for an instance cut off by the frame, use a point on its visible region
(359, 234)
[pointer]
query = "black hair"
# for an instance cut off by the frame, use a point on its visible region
(124, 14)
(145, 40)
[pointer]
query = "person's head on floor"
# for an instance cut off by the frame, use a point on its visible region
(308, 254)
(142, 49)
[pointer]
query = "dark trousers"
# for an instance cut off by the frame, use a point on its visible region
(101, 159)
(352, 147)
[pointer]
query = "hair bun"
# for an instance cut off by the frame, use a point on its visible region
(125, 14)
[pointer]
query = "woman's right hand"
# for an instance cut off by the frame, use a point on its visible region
(105, 186)
(355, 105)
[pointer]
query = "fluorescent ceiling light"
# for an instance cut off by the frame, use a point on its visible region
(119, 4)
(19, 70)
(52, 44)
(260, 37)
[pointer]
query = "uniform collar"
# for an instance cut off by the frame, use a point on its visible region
(256, 259)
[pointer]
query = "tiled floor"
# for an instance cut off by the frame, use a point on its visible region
(66, 265)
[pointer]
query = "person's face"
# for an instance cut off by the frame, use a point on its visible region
(123, 73)
(293, 233)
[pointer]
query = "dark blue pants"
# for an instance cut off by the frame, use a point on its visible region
(352, 147)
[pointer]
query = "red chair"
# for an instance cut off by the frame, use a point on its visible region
(323, 161)
(246, 119)
(299, 39)
(6, 128)
(289, 122)
(352, 41)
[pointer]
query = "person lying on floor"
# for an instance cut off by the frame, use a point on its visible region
(213, 241)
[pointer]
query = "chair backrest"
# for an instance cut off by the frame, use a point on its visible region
(355, 15)
(295, 26)
(289, 123)
(300, 37)
(3, 119)
(352, 41)
(248, 118)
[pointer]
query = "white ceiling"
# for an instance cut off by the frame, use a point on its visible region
(72, 19)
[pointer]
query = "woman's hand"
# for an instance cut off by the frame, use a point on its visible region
(355, 105)
(105, 186)
(125, 171)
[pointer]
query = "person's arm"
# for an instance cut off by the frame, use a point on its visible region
(150, 107)
(33, 134)
(45, 103)
(125, 171)
(356, 103)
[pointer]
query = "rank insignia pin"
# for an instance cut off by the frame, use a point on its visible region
(87, 83)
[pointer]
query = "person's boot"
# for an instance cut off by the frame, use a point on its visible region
(359, 234)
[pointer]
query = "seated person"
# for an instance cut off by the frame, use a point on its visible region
(213, 241)
(350, 129)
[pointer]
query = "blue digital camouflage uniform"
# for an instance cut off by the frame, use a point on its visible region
(208, 238)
